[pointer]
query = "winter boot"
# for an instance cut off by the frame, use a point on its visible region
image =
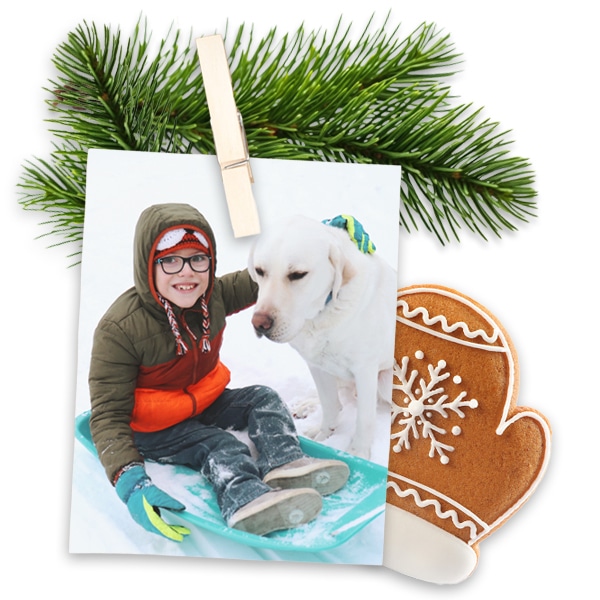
(276, 510)
(324, 475)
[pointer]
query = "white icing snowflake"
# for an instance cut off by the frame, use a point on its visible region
(422, 401)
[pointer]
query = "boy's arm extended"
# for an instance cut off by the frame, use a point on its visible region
(238, 291)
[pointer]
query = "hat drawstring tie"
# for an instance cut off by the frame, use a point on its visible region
(181, 346)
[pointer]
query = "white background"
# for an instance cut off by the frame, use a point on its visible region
(533, 68)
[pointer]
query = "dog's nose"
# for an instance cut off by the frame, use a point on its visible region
(261, 322)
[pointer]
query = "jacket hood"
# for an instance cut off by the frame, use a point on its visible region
(152, 224)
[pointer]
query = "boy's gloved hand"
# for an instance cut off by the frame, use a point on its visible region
(144, 501)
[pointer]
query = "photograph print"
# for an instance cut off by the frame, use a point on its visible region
(233, 394)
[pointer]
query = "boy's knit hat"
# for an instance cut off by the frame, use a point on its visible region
(179, 239)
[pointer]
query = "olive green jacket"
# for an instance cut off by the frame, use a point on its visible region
(134, 347)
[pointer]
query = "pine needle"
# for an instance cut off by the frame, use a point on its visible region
(306, 95)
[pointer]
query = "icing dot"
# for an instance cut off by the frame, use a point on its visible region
(457, 379)
(473, 403)
(444, 460)
(419, 354)
(442, 364)
(456, 430)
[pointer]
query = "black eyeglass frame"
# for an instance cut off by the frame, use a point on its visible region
(185, 260)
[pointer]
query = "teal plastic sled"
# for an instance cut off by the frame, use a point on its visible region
(344, 513)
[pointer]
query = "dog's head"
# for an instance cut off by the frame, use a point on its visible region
(300, 267)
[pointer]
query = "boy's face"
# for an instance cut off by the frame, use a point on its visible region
(184, 288)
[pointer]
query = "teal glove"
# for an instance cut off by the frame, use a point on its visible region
(144, 501)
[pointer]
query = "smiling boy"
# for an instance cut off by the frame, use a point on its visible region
(159, 390)
(179, 285)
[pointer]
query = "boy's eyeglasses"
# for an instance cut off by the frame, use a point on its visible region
(200, 263)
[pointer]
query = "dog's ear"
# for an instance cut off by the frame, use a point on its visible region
(342, 269)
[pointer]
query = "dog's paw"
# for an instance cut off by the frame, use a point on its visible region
(323, 434)
(303, 408)
(311, 432)
(318, 434)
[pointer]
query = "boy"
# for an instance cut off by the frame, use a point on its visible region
(159, 390)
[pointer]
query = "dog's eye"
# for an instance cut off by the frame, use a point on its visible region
(296, 275)
(260, 272)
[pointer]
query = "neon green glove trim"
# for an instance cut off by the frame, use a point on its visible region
(173, 532)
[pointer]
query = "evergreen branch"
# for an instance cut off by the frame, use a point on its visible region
(307, 96)
(60, 190)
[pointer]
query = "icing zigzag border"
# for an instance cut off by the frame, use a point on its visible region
(441, 320)
(473, 524)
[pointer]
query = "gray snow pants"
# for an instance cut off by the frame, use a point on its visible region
(203, 443)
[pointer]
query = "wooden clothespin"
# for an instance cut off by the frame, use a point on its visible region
(229, 135)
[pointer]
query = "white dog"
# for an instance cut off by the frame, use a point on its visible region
(336, 306)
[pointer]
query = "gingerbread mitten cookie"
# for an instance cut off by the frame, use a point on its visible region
(463, 456)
